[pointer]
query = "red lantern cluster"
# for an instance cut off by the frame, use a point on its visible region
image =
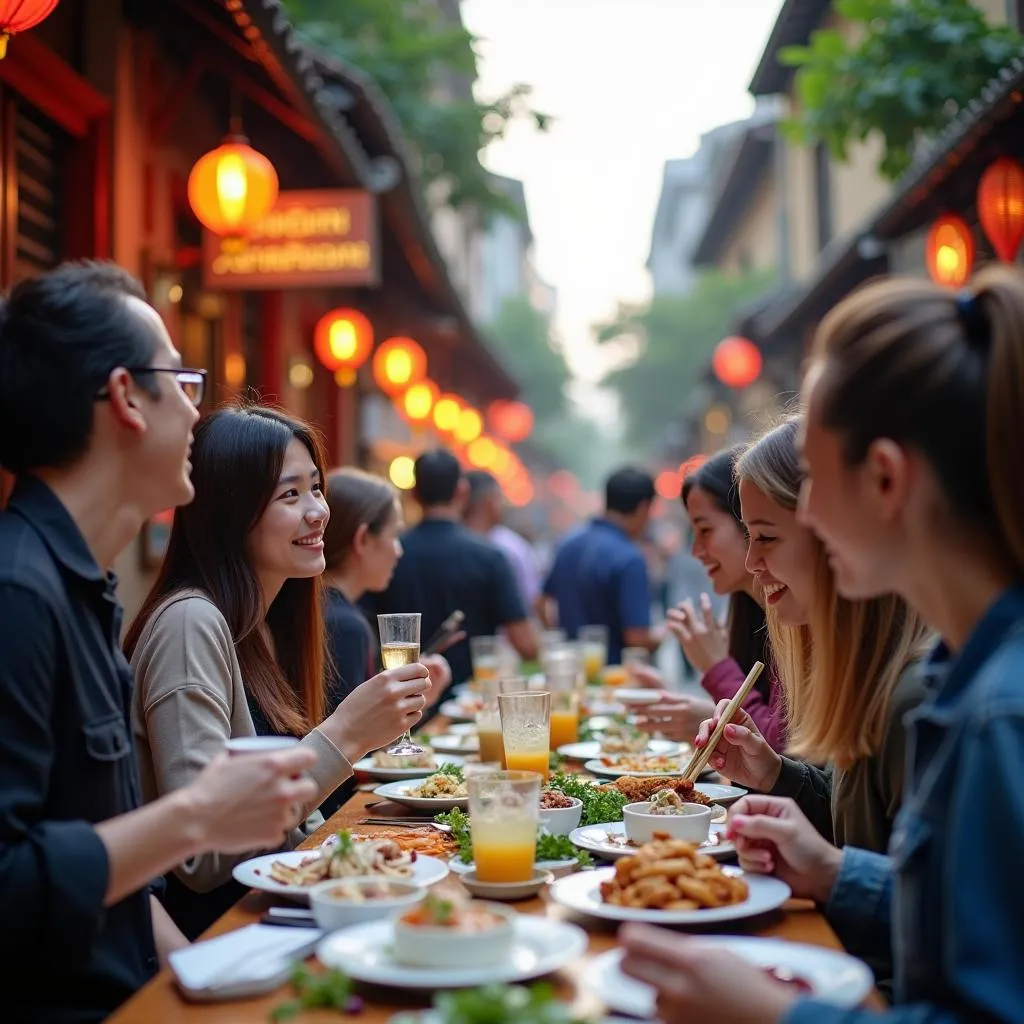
(737, 362)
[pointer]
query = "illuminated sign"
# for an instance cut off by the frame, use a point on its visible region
(310, 239)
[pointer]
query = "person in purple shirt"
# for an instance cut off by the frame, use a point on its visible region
(599, 576)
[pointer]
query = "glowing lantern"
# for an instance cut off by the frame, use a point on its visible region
(520, 494)
(418, 401)
(231, 188)
(402, 472)
(1001, 207)
(342, 342)
(737, 362)
(668, 484)
(949, 251)
(511, 420)
(18, 15)
(398, 363)
(482, 453)
(469, 427)
(447, 413)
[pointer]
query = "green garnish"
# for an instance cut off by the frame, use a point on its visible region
(555, 761)
(331, 990)
(440, 909)
(454, 770)
(588, 733)
(503, 1004)
(599, 805)
(551, 847)
(458, 821)
(345, 844)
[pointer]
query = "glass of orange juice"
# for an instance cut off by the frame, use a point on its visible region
(504, 814)
(483, 652)
(526, 730)
(488, 719)
(594, 645)
(562, 681)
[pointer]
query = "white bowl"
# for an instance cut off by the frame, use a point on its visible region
(560, 821)
(693, 825)
(334, 911)
(445, 947)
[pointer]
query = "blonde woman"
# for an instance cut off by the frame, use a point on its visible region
(849, 669)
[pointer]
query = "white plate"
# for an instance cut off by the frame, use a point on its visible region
(541, 946)
(631, 696)
(719, 794)
(557, 867)
(582, 893)
(835, 977)
(399, 793)
(456, 743)
(594, 838)
(387, 774)
(591, 749)
(507, 890)
(255, 873)
(598, 767)
(457, 712)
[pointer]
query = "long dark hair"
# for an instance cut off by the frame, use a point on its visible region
(748, 629)
(237, 456)
(355, 497)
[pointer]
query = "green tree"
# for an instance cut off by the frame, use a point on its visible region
(426, 66)
(905, 74)
(672, 338)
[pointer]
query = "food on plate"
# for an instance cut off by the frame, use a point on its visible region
(453, 931)
(344, 859)
(670, 874)
(449, 782)
(452, 913)
(623, 842)
(666, 801)
(620, 738)
(652, 763)
(428, 842)
(364, 893)
(637, 790)
(426, 759)
(550, 799)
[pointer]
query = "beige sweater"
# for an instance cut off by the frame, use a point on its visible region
(187, 702)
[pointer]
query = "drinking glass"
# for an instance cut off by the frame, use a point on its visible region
(526, 730)
(400, 645)
(483, 652)
(488, 719)
(594, 645)
(634, 656)
(504, 815)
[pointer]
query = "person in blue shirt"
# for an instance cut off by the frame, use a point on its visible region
(599, 575)
(915, 408)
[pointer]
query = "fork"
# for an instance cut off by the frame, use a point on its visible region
(406, 823)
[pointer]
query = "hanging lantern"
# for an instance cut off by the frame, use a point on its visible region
(447, 413)
(342, 341)
(511, 420)
(418, 401)
(231, 188)
(19, 15)
(469, 427)
(398, 363)
(737, 362)
(1001, 207)
(949, 251)
(482, 453)
(668, 484)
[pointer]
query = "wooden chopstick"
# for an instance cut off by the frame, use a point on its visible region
(703, 754)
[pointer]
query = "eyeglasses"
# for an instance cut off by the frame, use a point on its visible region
(191, 382)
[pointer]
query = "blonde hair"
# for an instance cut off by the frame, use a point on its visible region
(838, 673)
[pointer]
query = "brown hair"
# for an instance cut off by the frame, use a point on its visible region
(839, 672)
(940, 372)
(237, 456)
(354, 498)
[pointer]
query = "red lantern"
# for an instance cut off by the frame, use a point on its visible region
(18, 15)
(1001, 207)
(737, 362)
(512, 421)
(342, 341)
(668, 484)
(949, 251)
(398, 364)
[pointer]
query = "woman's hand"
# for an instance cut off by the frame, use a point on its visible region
(703, 640)
(440, 673)
(695, 983)
(773, 837)
(379, 710)
(675, 716)
(743, 755)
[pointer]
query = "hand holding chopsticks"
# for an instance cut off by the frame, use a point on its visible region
(701, 756)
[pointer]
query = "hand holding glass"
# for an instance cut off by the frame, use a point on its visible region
(400, 645)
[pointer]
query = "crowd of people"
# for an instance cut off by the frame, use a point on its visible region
(870, 549)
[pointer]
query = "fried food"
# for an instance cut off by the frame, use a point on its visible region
(427, 842)
(670, 874)
(638, 790)
(346, 859)
(653, 763)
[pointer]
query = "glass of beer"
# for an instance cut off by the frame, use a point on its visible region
(594, 645)
(504, 815)
(400, 645)
(526, 731)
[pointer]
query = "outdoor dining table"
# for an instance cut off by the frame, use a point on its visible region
(160, 1002)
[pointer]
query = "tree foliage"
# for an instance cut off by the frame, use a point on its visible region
(425, 65)
(912, 66)
(672, 338)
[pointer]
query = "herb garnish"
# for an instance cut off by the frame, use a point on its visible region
(330, 990)
(549, 847)
(452, 769)
(599, 805)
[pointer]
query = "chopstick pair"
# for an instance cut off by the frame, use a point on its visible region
(702, 755)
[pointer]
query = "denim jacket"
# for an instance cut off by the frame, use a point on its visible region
(950, 895)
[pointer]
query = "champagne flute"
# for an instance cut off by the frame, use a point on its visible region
(400, 645)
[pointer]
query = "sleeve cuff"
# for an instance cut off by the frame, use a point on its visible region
(855, 901)
(332, 767)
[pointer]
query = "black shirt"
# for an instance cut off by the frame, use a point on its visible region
(66, 763)
(446, 567)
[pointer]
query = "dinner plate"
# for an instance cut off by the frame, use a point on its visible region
(255, 873)
(452, 742)
(608, 840)
(364, 953)
(607, 771)
(456, 711)
(388, 774)
(590, 749)
(636, 697)
(557, 867)
(719, 793)
(582, 893)
(399, 793)
(835, 977)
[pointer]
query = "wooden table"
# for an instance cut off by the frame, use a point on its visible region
(160, 1001)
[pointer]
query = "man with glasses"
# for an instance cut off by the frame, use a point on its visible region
(96, 417)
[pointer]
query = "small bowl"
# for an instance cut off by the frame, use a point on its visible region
(560, 821)
(333, 912)
(507, 890)
(693, 825)
(444, 947)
